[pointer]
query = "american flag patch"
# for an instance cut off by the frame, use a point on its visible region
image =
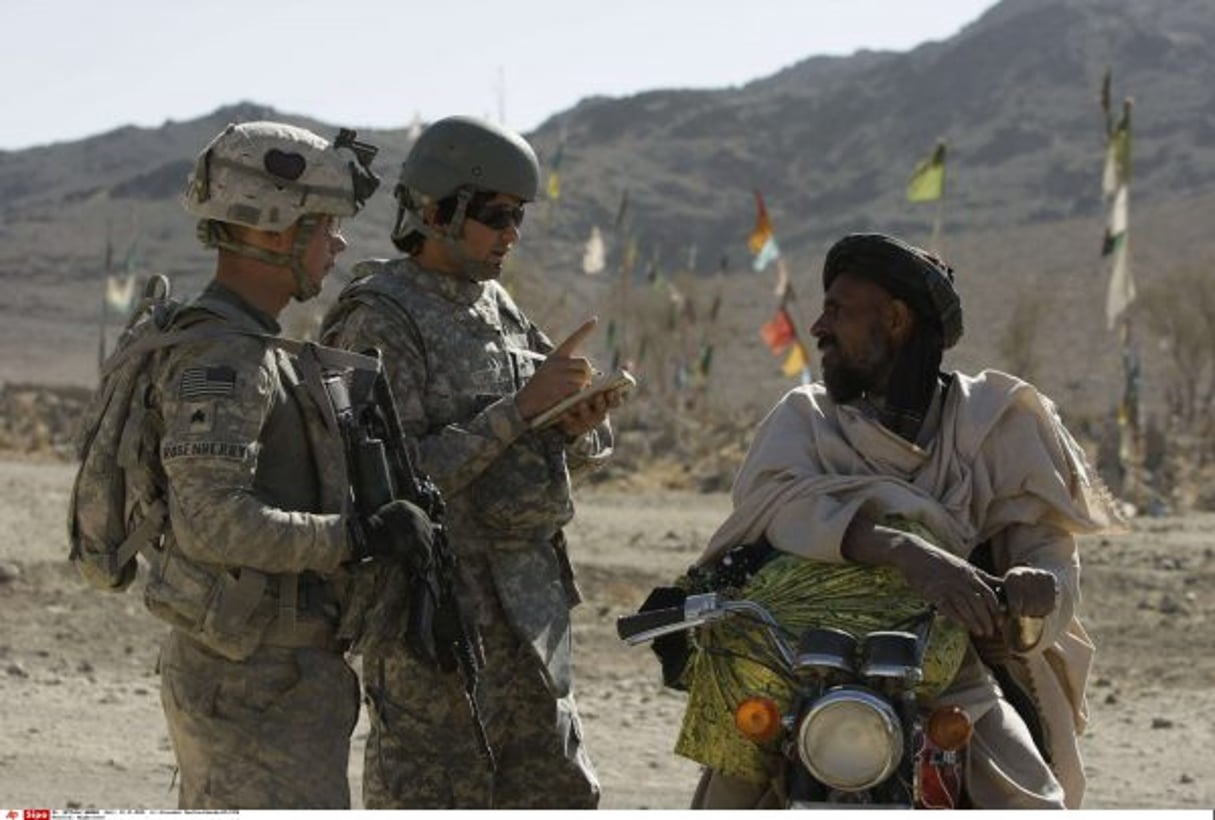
(207, 382)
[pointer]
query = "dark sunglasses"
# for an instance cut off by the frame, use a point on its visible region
(498, 217)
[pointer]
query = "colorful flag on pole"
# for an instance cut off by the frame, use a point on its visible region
(769, 252)
(927, 182)
(782, 277)
(763, 226)
(1117, 170)
(1115, 228)
(778, 332)
(762, 241)
(1115, 184)
(1122, 286)
(554, 172)
(796, 362)
(593, 260)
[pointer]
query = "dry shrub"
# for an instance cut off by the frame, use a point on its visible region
(41, 420)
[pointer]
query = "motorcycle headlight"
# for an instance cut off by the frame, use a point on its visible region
(850, 740)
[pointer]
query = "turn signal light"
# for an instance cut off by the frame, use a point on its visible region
(757, 718)
(949, 728)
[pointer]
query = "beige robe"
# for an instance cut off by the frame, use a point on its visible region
(1001, 466)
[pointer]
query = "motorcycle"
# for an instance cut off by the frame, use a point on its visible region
(856, 731)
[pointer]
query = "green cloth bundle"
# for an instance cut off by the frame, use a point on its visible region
(800, 593)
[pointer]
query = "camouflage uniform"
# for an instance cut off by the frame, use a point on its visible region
(259, 700)
(452, 348)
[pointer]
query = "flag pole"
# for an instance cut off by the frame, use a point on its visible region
(939, 220)
(101, 330)
(105, 281)
(935, 243)
(1115, 185)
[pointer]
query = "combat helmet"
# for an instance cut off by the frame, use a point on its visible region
(459, 157)
(269, 176)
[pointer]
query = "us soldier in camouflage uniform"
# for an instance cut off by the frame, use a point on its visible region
(469, 371)
(259, 700)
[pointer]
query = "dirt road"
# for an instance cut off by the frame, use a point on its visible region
(80, 722)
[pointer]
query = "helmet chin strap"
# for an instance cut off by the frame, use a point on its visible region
(212, 234)
(408, 221)
(305, 288)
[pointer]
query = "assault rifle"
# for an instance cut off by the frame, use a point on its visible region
(438, 631)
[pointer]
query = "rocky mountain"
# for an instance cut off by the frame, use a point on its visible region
(830, 142)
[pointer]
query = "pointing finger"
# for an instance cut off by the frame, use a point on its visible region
(572, 341)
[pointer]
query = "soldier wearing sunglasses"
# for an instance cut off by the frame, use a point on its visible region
(469, 372)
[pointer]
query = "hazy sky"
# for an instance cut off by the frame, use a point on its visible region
(73, 68)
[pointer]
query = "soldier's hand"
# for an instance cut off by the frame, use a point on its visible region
(1030, 592)
(401, 531)
(562, 374)
(585, 416)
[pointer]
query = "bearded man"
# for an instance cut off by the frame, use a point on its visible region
(983, 462)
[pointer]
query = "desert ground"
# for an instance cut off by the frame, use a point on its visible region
(80, 721)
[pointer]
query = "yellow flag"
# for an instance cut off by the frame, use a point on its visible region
(928, 180)
(795, 363)
(554, 185)
(762, 232)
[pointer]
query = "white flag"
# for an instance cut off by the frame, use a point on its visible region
(593, 254)
(1122, 285)
(120, 292)
(1109, 172)
(1119, 219)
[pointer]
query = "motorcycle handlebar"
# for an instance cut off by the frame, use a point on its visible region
(1023, 632)
(696, 610)
(629, 626)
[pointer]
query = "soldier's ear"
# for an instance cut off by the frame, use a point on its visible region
(429, 214)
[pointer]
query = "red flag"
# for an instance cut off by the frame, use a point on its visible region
(778, 332)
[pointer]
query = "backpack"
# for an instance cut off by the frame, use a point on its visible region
(117, 507)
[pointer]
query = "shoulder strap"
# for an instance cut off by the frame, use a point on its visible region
(329, 356)
(164, 338)
(371, 292)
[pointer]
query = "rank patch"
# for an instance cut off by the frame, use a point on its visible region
(201, 416)
(207, 383)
